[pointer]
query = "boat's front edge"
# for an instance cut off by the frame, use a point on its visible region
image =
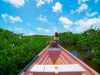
(81, 62)
(31, 62)
(27, 66)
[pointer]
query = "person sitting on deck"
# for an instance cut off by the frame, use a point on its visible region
(56, 39)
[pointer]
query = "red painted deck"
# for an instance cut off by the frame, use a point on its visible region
(46, 57)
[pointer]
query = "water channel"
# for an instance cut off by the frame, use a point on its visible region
(82, 55)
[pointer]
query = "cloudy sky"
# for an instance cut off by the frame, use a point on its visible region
(49, 16)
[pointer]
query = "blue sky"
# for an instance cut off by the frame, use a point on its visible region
(48, 16)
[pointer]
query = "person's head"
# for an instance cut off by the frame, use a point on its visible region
(56, 34)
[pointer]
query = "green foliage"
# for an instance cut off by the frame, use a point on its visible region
(96, 58)
(16, 50)
(67, 38)
(89, 41)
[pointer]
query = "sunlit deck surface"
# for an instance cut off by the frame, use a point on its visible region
(58, 56)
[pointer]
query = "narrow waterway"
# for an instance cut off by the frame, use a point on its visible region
(82, 55)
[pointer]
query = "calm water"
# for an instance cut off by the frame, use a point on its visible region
(82, 56)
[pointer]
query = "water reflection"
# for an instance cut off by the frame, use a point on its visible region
(75, 52)
(82, 55)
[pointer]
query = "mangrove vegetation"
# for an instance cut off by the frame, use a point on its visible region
(17, 50)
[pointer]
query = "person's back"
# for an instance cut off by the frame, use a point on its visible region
(56, 38)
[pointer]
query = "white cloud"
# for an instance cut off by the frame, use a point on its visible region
(18, 28)
(96, 1)
(85, 24)
(82, 24)
(4, 15)
(46, 30)
(16, 3)
(42, 2)
(42, 19)
(80, 28)
(91, 14)
(82, 1)
(82, 8)
(15, 19)
(12, 19)
(66, 22)
(72, 11)
(57, 7)
(31, 33)
(42, 30)
(39, 28)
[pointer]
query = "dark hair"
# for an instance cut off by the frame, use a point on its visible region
(56, 34)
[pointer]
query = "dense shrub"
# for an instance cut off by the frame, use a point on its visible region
(88, 40)
(16, 51)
